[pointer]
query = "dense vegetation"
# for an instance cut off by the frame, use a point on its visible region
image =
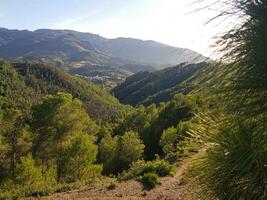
(24, 84)
(57, 130)
(159, 86)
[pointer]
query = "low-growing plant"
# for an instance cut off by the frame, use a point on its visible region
(149, 180)
(112, 185)
(159, 167)
(139, 168)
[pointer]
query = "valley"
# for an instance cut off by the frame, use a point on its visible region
(101, 60)
(89, 117)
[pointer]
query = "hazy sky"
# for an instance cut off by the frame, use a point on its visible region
(173, 22)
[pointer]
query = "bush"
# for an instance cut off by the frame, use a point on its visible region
(149, 180)
(29, 180)
(159, 167)
(174, 140)
(139, 168)
(112, 185)
(26, 173)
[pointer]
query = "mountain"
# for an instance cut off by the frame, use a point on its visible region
(108, 59)
(157, 86)
(72, 46)
(23, 84)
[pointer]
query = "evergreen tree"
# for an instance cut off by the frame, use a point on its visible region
(55, 121)
(16, 141)
(78, 158)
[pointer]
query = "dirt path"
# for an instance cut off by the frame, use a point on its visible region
(170, 188)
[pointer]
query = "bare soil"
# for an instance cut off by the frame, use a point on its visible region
(169, 188)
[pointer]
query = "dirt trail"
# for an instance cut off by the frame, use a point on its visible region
(170, 188)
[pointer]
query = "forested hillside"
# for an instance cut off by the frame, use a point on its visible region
(59, 131)
(198, 128)
(159, 86)
(24, 84)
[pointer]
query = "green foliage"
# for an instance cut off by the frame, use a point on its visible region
(14, 94)
(147, 87)
(46, 79)
(24, 84)
(173, 139)
(148, 172)
(159, 167)
(234, 167)
(138, 120)
(78, 158)
(108, 153)
(139, 168)
(26, 173)
(104, 131)
(112, 185)
(54, 121)
(149, 180)
(130, 149)
(150, 122)
(119, 152)
(181, 108)
(16, 141)
(30, 181)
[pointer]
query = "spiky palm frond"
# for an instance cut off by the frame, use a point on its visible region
(235, 165)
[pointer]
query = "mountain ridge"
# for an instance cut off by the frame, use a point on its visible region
(145, 88)
(70, 45)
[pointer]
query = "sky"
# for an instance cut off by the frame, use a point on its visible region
(177, 23)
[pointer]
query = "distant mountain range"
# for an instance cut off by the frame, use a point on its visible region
(100, 59)
(72, 46)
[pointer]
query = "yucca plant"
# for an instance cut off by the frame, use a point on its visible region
(243, 52)
(235, 164)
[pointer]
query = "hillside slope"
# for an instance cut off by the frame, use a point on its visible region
(25, 83)
(70, 46)
(155, 87)
(178, 187)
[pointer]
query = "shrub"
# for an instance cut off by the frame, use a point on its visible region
(149, 180)
(174, 140)
(139, 168)
(29, 181)
(26, 173)
(159, 167)
(112, 185)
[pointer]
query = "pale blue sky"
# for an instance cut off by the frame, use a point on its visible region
(167, 21)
